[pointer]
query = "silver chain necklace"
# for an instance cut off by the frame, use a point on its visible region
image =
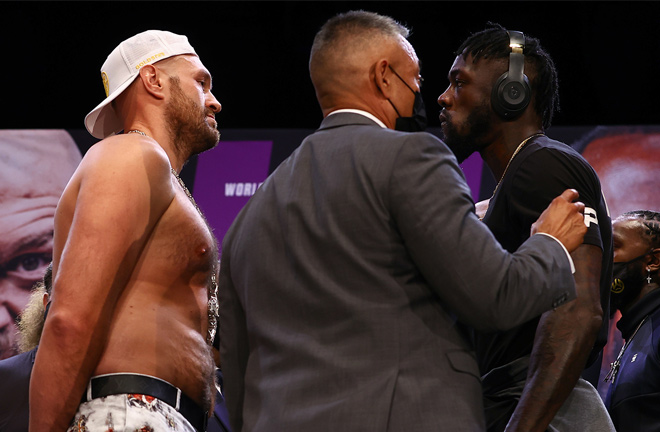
(212, 305)
(614, 366)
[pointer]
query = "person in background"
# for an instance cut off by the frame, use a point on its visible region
(15, 371)
(633, 396)
(219, 420)
(626, 158)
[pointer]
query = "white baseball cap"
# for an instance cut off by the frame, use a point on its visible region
(122, 67)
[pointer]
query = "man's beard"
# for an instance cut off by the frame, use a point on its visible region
(477, 126)
(8, 342)
(187, 124)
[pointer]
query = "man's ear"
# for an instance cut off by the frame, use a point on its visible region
(654, 263)
(152, 79)
(383, 77)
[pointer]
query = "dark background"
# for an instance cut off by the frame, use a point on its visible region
(606, 53)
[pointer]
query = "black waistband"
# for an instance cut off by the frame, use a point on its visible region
(106, 385)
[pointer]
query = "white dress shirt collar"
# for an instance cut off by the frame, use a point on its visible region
(363, 113)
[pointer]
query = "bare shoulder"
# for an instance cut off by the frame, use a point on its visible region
(124, 152)
(129, 163)
(123, 180)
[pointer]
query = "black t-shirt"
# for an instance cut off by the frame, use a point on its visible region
(541, 171)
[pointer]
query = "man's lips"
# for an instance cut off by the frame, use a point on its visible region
(443, 118)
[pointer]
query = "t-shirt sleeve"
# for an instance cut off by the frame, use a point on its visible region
(542, 176)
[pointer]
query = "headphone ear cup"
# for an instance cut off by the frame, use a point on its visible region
(510, 97)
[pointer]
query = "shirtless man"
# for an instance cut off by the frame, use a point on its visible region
(134, 262)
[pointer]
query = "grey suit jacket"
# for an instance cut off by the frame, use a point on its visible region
(342, 280)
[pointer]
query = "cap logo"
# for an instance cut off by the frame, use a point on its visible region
(106, 84)
(149, 60)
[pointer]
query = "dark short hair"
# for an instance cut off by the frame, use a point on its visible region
(651, 222)
(359, 24)
(493, 43)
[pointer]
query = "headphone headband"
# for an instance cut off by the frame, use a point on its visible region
(512, 93)
(516, 41)
(516, 58)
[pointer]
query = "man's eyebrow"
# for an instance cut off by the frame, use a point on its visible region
(208, 76)
(453, 73)
(203, 73)
(25, 244)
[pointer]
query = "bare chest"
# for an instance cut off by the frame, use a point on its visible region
(184, 237)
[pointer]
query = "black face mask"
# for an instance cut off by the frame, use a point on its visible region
(418, 121)
(627, 281)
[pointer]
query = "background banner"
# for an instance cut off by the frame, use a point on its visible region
(227, 176)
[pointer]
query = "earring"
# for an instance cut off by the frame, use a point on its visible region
(648, 277)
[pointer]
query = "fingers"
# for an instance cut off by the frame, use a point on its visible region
(570, 195)
(564, 220)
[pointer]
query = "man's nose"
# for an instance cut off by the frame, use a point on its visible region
(214, 104)
(443, 99)
(6, 318)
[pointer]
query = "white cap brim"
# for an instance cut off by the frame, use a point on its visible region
(103, 121)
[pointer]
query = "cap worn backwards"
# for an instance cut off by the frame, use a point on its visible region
(122, 67)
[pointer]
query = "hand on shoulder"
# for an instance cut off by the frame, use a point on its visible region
(564, 220)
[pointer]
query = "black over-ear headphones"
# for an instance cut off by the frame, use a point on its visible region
(512, 93)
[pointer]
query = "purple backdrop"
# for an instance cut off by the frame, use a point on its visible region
(226, 178)
(472, 168)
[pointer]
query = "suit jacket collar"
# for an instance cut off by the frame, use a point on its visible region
(346, 119)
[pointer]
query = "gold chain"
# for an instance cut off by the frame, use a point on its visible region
(185, 189)
(137, 132)
(212, 306)
(520, 146)
(174, 173)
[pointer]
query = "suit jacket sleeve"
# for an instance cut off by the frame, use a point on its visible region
(488, 288)
(233, 342)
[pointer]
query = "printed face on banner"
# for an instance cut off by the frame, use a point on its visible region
(35, 166)
(628, 166)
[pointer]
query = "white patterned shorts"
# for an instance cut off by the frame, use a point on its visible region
(128, 413)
